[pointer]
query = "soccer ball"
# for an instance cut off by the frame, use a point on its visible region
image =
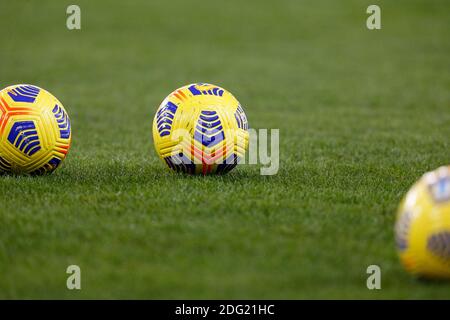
(35, 130)
(200, 129)
(423, 226)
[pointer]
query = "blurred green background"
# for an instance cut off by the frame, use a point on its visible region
(362, 114)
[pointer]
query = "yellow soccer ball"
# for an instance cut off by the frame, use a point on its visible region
(35, 132)
(200, 129)
(423, 226)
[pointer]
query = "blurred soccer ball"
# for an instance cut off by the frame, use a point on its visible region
(200, 129)
(423, 226)
(35, 130)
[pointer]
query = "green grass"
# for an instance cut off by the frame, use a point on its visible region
(362, 114)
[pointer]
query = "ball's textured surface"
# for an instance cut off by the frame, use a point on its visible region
(200, 129)
(35, 130)
(423, 226)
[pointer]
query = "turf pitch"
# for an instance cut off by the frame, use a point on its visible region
(362, 114)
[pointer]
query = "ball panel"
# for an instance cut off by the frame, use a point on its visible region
(402, 230)
(5, 165)
(23, 93)
(439, 245)
(165, 117)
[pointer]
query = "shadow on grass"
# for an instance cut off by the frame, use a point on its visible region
(116, 172)
(432, 282)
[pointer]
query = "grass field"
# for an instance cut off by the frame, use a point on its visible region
(362, 114)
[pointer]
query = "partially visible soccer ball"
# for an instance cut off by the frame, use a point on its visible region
(35, 130)
(423, 226)
(200, 129)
